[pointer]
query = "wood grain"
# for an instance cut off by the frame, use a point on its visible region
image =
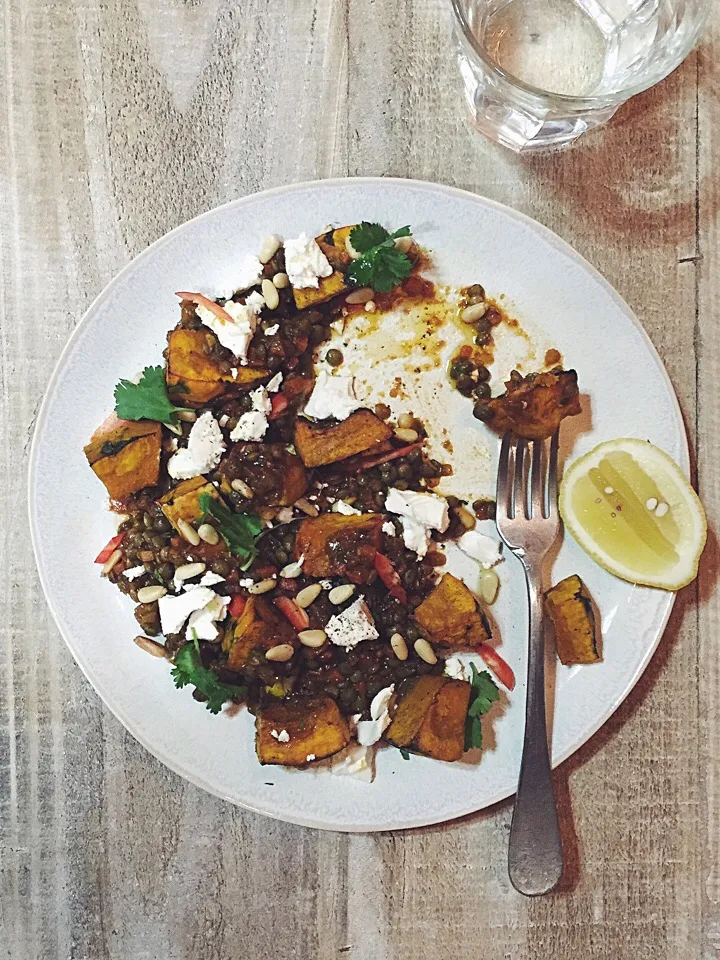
(122, 119)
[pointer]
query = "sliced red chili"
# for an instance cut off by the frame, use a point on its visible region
(237, 605)
(109, 548)
(390, 577)
(368, 462)
(501, 668)
(280, 404)
(295, 614)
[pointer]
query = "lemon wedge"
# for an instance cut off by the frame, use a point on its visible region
(632, 509)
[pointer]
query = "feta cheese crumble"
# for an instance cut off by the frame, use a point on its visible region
(389, 528)
(174, 611)
(332, 396)
(454, 669)
(204, 449)
(253, 424)
(419, 513)
(305, 263)
(370, 731)
(271, 331)
(352, 626)
(209, 579)
(282, 737)
(202, 622)
(134, 572)
(274, 385)
(346, 509)
(234, 334)
(249, 272)
(355, 761)
(481, 548)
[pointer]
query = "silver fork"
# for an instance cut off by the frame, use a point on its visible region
(528, 522)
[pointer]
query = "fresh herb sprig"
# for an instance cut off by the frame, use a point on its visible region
(188, 669)
(483, 695)
(238, 530)
(380, 264)
(147, 399)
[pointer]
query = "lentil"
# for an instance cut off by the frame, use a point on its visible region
(334, 357)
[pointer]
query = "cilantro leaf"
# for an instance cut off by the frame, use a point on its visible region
(238, 530)
(484, 693)
(381, 265)
(147, 399)
(188, 669)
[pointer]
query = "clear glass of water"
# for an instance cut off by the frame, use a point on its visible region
(539, 73)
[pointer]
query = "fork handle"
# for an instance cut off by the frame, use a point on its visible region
(535, 858)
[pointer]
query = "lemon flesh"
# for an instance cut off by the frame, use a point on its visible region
(632, 509)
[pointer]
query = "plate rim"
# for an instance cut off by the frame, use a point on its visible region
(549, 236)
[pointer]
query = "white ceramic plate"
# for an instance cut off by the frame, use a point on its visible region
(474, 240)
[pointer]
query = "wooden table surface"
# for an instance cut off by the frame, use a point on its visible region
(122, 119)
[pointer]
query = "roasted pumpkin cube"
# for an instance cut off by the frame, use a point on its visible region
(450, 616)
(361, 432)
(125, 455)
(297, 732)
(333, 246)
(259, 627)
(195, 378)
(183, 501)
(336, 545)
(413, 702)
(276, 477)
(534, 406)
(442, 731)
(569, 606)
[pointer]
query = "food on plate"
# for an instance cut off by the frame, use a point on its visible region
(451, 615)
(125, 455)
(294, 733)
(362, 432)
(334, 545)
(633, 510)
(570, 608)
(534, 406)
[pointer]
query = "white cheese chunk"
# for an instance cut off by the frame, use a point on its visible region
(255, 302)
(274, 385)
(416, 537)
(204, 449)
(346, 509)
(209, 579)
(481, 548)
(352, 626)
(427, 509)
(355, 761)
(253, 424)
(389, 528)
(249, 272)
(305, 262)
(454, 669)
(234, 334)
(370, 731)
(332, 396)
(134, 572)
(271, 331)
(174, 611)
(281, 736)
(202, 622)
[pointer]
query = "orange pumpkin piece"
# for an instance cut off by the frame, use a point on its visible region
(125, 455)
(450, 616)
(297, 732)
(336, 545)
(361, 432)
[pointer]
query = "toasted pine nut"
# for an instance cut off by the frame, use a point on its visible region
(239, 486)
(150, 594)
(291, 570)
(473, 313)
(312, 638)
(425, 651)
(188, 571)
(466, 518)
(208, 533)
(150, 646)
(110, 562)
(262, 586)
(269, 248)
(307, 595)
(489, 584)
(370, 306)
(340, 594)
(406, 421)
(189, 416)
(407, 436)
(281, 653)
(399, 646)
(360, 296)
(281, 280)
(272, 297)
(188, 532)
(404, 244)
(309, 508)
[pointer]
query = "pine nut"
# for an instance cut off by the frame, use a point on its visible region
(239, 486)
(281, 280)
(110, 562)
(340, 594)
(150, 594)
(280, 654)
(312, 638)
(272, 297)
(188, 571)
(407, 436)
(189, 416)
(466, 518)
(425, 651)
(404, 244)
(473, 313)
(406, 421)
(370, 306)
(188, 532)
(150, 646)
(399, 646)
(309, 508)
(262, 586)
(489, 585)
(291, 570)
(308, 595)
(360, 296)
(269, 248)
(208, 533)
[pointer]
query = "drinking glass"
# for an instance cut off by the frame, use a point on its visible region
(539, 73)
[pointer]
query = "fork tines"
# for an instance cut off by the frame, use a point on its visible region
(527, 478)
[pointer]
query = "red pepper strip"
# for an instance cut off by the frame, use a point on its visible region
(201, 301)
(109, 548)
(389, 576)
(369, 462)
(279, 403)
(502, 670)
(237, 605)
(295, 614)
